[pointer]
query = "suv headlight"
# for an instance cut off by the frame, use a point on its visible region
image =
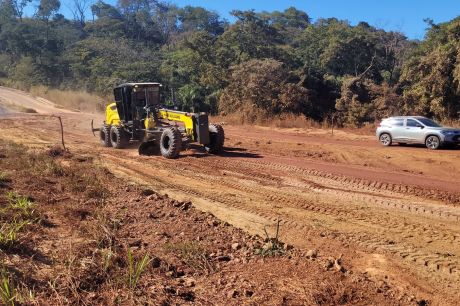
(448, 133)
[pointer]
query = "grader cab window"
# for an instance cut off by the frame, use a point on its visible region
(146, 96)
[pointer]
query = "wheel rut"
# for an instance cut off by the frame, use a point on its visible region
(354, 214)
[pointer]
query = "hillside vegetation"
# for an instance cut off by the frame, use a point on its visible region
(262, 64)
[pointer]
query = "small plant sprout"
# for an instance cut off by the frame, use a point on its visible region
(107, 256)
(21, 203)
(273, 246)
(9, 232)
(7, 290)
(135, 269)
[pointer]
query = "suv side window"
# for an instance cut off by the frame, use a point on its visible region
(412, 123)
(397, 122)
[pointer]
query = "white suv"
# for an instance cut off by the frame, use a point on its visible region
(417, 130)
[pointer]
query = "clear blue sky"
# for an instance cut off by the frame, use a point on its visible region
(400, 15)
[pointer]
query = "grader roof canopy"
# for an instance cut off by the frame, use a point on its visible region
(139, 84)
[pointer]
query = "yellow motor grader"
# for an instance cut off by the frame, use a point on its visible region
(137, 116)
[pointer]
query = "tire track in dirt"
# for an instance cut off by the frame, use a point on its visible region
(440, 264)
(326, 180)
(448, 197)
(332, 184)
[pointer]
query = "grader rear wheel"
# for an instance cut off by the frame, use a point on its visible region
(217, 138)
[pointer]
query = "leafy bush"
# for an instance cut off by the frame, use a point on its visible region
(264, 86)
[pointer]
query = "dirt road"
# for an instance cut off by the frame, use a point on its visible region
(394, 213)
(3, 111)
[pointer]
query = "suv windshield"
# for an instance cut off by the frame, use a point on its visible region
(428, 122)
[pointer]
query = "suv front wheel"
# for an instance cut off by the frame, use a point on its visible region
(385, 139)
(433, 142)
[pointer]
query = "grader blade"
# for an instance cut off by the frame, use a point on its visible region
(149, 148)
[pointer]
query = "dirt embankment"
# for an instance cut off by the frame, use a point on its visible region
(83, 222)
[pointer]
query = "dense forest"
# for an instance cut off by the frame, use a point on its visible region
(262, 64)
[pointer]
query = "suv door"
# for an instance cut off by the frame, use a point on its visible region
(397, 129)
(414, 131)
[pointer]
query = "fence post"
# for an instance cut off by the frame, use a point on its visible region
(62, 132)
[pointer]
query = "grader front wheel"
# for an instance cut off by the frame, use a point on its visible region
(118, 137)
(104, 135)
(171, 143)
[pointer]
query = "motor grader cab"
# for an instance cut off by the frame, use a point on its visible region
(137, 115)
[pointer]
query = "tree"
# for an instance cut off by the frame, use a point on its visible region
(19, 6)
(7, 12)
(109, 22)
(28, 73)
(103, 10)
(47, 8)
(191, 98)
(200, 19)
(290, 18)
(165, 19)
(79, 8)
(194, 63)
(251, 37)
(364, 101)
(263, 87)
(431, 75)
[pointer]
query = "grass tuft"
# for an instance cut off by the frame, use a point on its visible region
(4, 179)
(21, 204)
(272, 246)
(191, 253)
(135, 269)
(107, 259)
(9, 232)
(7, 290)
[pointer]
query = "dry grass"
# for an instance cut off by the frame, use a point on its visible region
(70, 99)
(14, 217)
(452, 123)
(278, 121)
(27, 110)
(18, 108)
(192, 254)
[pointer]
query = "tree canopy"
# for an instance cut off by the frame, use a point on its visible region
(264, 62)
